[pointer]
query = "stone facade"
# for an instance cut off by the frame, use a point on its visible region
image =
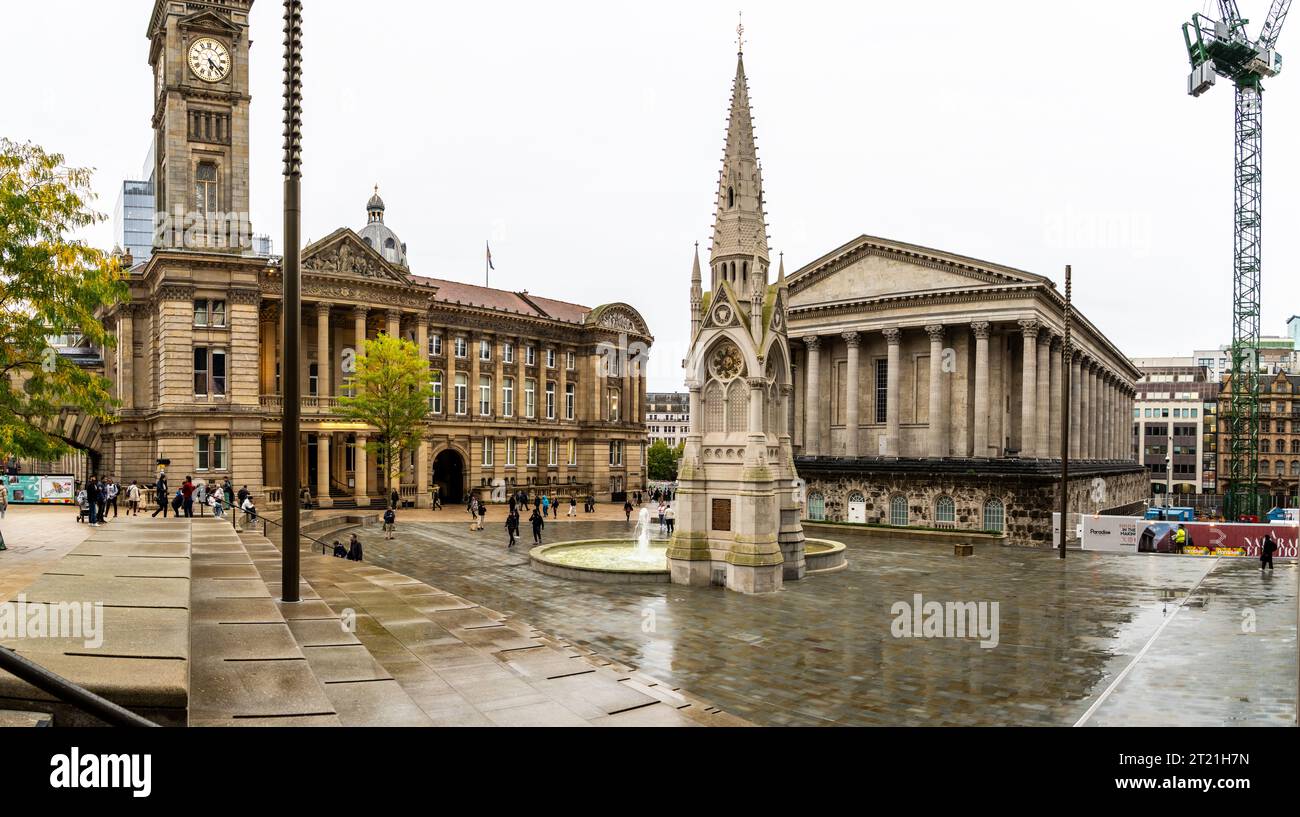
(532, 391)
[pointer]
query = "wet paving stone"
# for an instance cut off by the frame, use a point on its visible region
(822, 652)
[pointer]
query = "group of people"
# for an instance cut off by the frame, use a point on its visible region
(97, 495)
(537, 518)
(353, 551)
(219, 497)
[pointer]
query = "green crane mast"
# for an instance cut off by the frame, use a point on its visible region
(1221, 48)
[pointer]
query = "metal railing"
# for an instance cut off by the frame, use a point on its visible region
(69, 692)
(256, 517)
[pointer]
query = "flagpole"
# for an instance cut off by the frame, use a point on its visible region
(487, 263)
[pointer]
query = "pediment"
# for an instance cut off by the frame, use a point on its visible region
(344, 254)
(875, 268)
(724, 310)
(209, 21)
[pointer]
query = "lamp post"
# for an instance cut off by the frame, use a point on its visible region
(291, 300)
(1067, 355)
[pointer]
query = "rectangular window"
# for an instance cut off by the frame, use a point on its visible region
(613, 405)
(462, 389)
(485, 350)
(219, 372)
(530, 398)
(616, 452)
(553, 452)
(568, 401)
(209, 371)
(210, 452)
(550, 399)
(530, 355)
(313, 379)
(209, 313)
(435, 402)
(462, 348)
(507, 397)
(573, 452)
(532, 451)
(200, 370)
(510, 452)
(488, 444)
(484, 395)
(508, 352)
(218, 312)
(882, 391)
(200, 313)
(569, 360)
(435, 345)
(550, 358)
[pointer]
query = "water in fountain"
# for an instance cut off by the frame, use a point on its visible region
(642, 553)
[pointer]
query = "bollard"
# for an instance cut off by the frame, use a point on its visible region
(963, 549)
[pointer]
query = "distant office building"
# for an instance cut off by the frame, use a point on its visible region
(1174, 433)
(1277, 355)
(668, 417)
(133, 227)
(262, 246)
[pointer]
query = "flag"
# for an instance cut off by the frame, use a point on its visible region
(489, 255)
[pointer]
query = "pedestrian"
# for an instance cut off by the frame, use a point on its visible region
(340, 552)
(187, 496)
(92, 500)
(573, 507)
(201, 495)
(482, 514)
(1180, 539)
(243, 495)
(354, 549)
(160, 494)
(249, 509)
(390, 522)
(112, 496)
(662, 508)
(546, 506)
(670, 518)
(217, 511)
(434, 503)
(83, 504)
(393, 499)
(133, 499)
(627, 509)
(1267, 548)
(4, 501)
(538, 524)
(229, 491)
(304, 498)
(512, 527)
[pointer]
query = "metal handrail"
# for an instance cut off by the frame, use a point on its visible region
(265, 521)
(69, 692)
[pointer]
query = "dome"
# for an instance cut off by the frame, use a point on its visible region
(376, 204)
(378, 236)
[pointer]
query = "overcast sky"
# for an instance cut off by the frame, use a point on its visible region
(584, 140)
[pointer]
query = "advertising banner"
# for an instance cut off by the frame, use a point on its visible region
(1117, 534)
(31, 489)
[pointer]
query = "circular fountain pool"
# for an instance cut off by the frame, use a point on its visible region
(603, 560)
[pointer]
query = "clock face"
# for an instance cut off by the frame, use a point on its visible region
(209, 59)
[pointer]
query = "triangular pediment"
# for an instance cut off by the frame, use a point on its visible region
(342, 253)
(209, 21)
(868, 267)
(725, 310)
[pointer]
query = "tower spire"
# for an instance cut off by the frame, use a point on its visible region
(697, 294)
(740, 225)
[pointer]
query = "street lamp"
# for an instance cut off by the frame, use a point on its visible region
(291, 301)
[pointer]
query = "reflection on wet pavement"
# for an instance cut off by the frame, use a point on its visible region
(821, 651)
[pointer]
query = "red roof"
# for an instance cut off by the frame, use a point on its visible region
(456, 292)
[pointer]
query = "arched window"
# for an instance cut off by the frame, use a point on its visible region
(390, 244)
(816, 507)
(857, 496)
(731, 197)
(898, 510)
(205, 188)
(369, 243)
(714, 408)
(1264, 447)
(1281, 468)
(1263, 466)
(945, 511)
(737, 406)
(1295, 468)
(994, 515)
(744, 273)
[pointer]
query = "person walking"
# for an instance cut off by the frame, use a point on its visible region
(538, 524)
(218, 512)
(160, 494)
(340, 552)
(390, 523)
(435, 502)
(201, 495)
(1267, 548)
(133, 499)
(670, 518)
(92, 500)
(546, 506)
(512, 527)
(187, 491)
(393, 499)
(573, 507)
(111, 501)
(627, 509)
(662, 507)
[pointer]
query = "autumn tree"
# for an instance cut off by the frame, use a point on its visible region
(51, 284)
(391, 391)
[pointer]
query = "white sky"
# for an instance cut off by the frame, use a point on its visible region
(584, 140)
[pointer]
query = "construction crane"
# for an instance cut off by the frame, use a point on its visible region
(1222, 48)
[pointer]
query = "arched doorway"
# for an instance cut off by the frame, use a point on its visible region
(449, 475)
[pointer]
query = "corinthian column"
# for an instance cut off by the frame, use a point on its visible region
(981, 435)
(935, 447)
(1044, 392)
(851, 409)
(323, 350)
(1054, 400)
(1029, 389)
(893, 337)
(1076, 394)
(812, 412)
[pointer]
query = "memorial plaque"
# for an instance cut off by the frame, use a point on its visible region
(721, 514)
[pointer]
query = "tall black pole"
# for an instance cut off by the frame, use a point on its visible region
(1067, 360)
(291, 300)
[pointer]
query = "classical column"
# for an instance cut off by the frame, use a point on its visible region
(1106, 430)
(269, 341)
(394, 323)
(1076, 396)
(361, 472)
(521, 363)
(851, 409)
(981, 435)
(893, 339)
(1094, 410)
(126, 371)
(472, 404)
(322, 471)
(561, 385)
(359, 314)
(1085, 410)
(323, 350)
(812, 413)
(422, 335)
(422, 499)
(498, 380)
(1054, 399)
(935, 448)
(1043, 398)
(1029, 389)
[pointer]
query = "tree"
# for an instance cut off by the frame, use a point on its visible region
(50, 285)
(391, 393)
(661, 461)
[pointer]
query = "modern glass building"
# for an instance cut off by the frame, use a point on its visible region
(133, 216)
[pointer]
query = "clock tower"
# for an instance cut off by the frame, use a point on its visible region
(199, 54)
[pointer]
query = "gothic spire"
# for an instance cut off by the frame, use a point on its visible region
(740, 226)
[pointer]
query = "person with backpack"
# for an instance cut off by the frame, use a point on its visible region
(1267, 548)
(573, 507)
(160, 494)
(178, 502)
(538, 524)
(390, 523)
(512, 527)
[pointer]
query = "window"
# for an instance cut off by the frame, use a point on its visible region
(205, 189)
(612, 398)
(532, 451)
(945, 511)
(488, 444)
(616, 452)
(568, 401)
(485, 350)
(572, 445)
(994, 515)
(435, 383)
(550, 358)
(530, 398)
(569, 360)
(209, 313)
(816, 507)
(553, 452)
(530, 355)
(200, 313)
(550, 399)
(508, 352)
(510, 452)
(461, 396)
(484, 395)
(882, 391)
(435, 345)
(462, 348)
(210, 452)
(209, 371)
(349, 386)
(313, 379)
(507, 397)
(898, 510)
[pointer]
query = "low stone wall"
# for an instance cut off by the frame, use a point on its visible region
(1028, 489)
(887, 535)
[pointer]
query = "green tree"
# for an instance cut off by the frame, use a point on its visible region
(392, 393)
(50, 284)
(661, 461)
